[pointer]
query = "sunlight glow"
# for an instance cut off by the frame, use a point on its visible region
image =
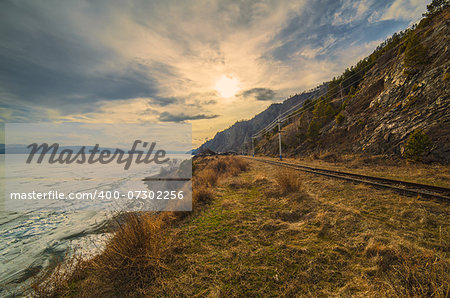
(227, 86)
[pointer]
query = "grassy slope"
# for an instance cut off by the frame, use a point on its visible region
(331, 238)
(268, 232)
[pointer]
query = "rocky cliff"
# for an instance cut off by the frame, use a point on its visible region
(374, 107)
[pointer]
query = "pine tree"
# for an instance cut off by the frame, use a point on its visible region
(435, 7)
(417, 145)
(415, 52)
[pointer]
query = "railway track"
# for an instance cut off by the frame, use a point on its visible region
(402, 187)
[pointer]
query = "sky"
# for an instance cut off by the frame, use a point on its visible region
(169, 136)
(209, 63)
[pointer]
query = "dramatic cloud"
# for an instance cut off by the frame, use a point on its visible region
(259, 94)
(408, 10)
(159, 60)
(168, 117)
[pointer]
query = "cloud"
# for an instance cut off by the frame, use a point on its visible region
(168, 117)
(36, 83)
(209, 102)
(351, 11)
(164, 101)
(409, 10)
(159, 60)
(259, 94)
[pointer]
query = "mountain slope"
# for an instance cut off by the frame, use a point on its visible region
(405, 91)
(402, 89)
(233, 138)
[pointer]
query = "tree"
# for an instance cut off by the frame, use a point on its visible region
(435, 7)
(417, 145)
(352, 91)
(323, 112)
(340, 118)
(415, 52)
(313, 132)
(307, 104)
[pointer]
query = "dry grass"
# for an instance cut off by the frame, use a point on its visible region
(219, 165)
(381, 166)
(229, 164)
(328, 238)
(408, 271)
(211, 171)
(135, 254)
(240, 164)
(130, 260)
(207, 177)
(201, 195)
(288, 181)
(263, 233)
(422, 275)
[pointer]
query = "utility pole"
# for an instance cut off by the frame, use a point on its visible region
(253, 148)
(244, 145)
(279, 136)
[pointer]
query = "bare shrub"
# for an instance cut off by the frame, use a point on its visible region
(129, 261)
(240, 164)
(229, 165)
(288, 181)
(219, 165)
(132, 256)
(201, 195)
(208, 177)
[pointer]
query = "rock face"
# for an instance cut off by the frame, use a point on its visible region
(389, 105)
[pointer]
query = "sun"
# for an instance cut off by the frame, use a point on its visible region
(227, 86)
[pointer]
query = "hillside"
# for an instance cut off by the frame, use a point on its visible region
(232, 138)
(375, 106)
